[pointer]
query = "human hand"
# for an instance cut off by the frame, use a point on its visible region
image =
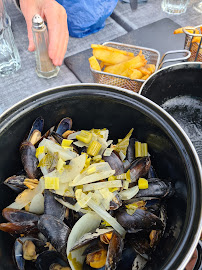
(55, 16)
(192, 262)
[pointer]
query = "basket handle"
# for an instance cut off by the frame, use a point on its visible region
(162, 62)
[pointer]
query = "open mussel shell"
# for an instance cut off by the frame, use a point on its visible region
(18, 250)
(88, 237)
(29, 160)
(37, 126)
(16, 183)
(139, 168)
(47, 259)
(64, 125)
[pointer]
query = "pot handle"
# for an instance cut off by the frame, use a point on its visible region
(162, 61)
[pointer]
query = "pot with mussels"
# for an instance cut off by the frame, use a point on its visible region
(95, 177)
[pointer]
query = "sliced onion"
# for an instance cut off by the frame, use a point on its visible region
(129, 193)
(37, 204)
(27, 195)
(87, 223)
(101, 185)
(107, 217)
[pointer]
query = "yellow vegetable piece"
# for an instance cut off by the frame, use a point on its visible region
(128, 176)
(91, 170)
(113, 189)
(143, 183)
(112, 178)
(94, 148)
(123, 144)
(97, 158)
(144, 149)
(60, 165)
(66, 143)
(40, 150)
(52, 183)
(84, 136)
(87, 163)
(94, 63)
(105, 223)
(138, 149)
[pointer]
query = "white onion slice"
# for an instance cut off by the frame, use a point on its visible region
(107, 217)
(87, 223)
(129, 193)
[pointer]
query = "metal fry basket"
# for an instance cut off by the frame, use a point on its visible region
(152, 56)
(193, 43)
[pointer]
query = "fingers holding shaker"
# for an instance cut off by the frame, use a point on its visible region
(174, 6)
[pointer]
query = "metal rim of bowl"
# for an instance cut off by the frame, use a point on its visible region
(166, 68)
(5, 115)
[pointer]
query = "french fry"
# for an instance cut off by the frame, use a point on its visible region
(180, 30)
(145, 71)
(196, 39)
(150, 67)
(136, 74)
(145, 77)
(94, 63)
(110, 56)
(118, 69)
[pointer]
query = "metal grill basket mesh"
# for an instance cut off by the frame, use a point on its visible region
(194, 47)
(152, 56)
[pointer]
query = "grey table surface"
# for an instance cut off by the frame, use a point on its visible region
(25, 82)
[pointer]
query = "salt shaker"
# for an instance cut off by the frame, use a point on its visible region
(9, 55)
(44, 66)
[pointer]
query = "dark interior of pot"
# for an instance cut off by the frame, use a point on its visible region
(98, 107)
(177, 89)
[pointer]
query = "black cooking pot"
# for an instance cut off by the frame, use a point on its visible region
(97, 106)
(178, 89)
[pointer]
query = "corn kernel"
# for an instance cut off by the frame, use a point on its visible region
(94, 148)
(66, 143)
(142, 183)
(40, 150)
(84, 136)
(51, 183)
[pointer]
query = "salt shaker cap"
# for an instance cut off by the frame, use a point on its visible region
(37, 22)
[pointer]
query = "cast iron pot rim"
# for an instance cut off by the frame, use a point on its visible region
(166, 68)
(119, 90)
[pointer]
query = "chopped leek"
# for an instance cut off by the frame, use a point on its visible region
(144, 150)
(142, 183)
(84, 136)
(94, 148)
(123, 144)
(66, 143)
(52, 183)
(138, 149)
